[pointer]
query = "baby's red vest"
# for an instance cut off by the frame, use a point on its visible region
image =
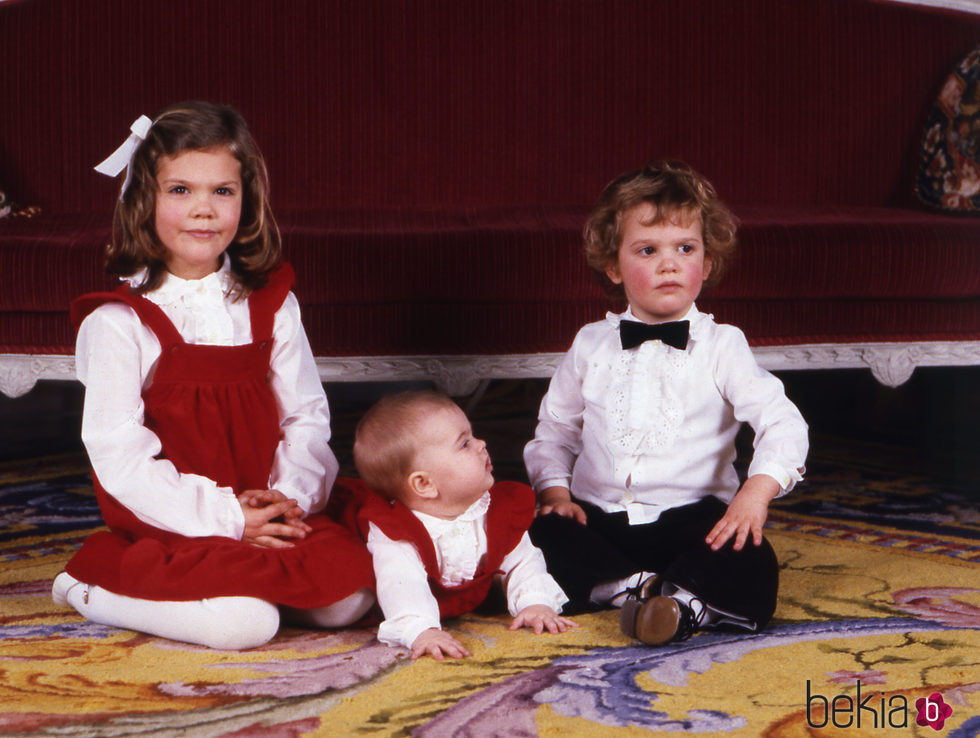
(508, 518)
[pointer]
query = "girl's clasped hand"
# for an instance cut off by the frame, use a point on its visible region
(272, 519)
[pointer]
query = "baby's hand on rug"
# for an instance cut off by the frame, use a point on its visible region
(746, 513)
(438, 644)
(541, 618)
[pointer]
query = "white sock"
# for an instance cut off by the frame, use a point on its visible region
(228, 623)
(343, 612)
(614, 592)
(704, 613)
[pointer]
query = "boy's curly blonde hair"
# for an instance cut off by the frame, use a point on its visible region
(675, 190)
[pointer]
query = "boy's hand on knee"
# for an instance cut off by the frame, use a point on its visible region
(541, 618)
(438, 644)
(746, 514)
(558, 500)
(565, 509)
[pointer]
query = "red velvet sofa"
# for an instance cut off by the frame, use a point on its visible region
(432, 163)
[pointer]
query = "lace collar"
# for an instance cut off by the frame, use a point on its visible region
(457, 542)
(695, 317)
(199, 308)
(173, 287)
(436, 526)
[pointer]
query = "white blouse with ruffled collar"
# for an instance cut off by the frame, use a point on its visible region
(115, 358)
(458, 542)
(200, 309)
(404, 595)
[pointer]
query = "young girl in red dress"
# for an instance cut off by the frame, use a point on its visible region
(205, 420)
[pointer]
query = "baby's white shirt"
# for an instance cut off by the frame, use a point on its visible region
(460, 544)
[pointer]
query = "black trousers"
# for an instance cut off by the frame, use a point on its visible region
(607, 548)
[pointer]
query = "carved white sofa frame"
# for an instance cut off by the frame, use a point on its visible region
(891, 364)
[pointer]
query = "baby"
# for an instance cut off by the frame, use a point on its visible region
(439, 530)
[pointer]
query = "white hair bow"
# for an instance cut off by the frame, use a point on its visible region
(121, 157)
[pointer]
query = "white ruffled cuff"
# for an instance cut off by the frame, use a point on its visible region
(786, 478)
(541, 590)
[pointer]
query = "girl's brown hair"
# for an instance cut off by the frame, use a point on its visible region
(194, 126)
(675, 190)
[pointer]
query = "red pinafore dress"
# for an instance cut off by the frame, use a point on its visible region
(216, 416)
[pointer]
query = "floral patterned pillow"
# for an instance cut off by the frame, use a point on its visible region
(949, 167)
(12, 210)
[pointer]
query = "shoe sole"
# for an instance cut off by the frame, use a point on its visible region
(653, 622)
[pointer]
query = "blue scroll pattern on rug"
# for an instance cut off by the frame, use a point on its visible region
(601, 686)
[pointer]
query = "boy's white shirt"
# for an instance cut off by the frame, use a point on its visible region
(652, 428)
(115, 358)
(460, 544)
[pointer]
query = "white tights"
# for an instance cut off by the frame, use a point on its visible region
(228, 623)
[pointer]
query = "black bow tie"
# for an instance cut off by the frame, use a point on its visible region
(632, 333)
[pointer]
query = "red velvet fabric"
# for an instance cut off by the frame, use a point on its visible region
(444, 104)
(516, 282)
(432, 160)
(215, 415)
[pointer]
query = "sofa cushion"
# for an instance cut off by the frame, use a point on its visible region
(949, 170)
(513, 281)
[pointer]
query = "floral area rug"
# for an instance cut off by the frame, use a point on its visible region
(876, 633)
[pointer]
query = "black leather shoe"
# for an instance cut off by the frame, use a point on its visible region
(659, 619)
(643, 591)
(635, 598)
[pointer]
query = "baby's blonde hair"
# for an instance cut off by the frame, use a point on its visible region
(386, 440)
